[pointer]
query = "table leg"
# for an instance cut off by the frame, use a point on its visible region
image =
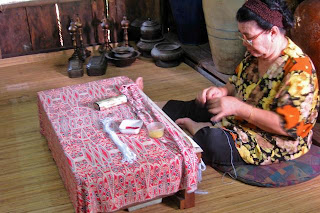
(183, 199)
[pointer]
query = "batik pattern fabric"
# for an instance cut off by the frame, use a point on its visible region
(288, 88)
(90, 163)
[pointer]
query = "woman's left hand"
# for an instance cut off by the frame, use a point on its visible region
(222, 107)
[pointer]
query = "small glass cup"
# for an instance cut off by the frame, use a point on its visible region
(155, 129)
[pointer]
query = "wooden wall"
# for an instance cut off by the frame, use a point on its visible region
(133, 9)
(33, 27)
(14, 32)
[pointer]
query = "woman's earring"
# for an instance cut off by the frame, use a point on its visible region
(271, 38)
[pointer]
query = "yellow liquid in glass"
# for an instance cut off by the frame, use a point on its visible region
(156, 133)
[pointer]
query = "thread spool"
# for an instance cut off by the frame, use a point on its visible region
(110, 102)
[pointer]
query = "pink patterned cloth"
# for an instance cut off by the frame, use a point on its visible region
(90, 163)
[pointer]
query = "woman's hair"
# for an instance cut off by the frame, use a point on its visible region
(244, 14)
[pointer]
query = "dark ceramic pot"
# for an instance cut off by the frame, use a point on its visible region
(122, 62)
(150, 30)
(145, 46)
(167, 54)
(122, 52)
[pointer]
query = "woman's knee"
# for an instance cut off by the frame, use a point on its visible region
(212, 138)
(216, 144)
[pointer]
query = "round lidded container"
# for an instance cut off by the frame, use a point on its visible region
(155, 129)
(150, 30)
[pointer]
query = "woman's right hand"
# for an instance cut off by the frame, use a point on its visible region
(209, 93)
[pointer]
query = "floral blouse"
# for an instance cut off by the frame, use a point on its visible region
(290, 89)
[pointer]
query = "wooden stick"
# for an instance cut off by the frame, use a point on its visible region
(160, 111)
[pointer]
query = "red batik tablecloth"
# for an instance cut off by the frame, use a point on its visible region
(89, 161)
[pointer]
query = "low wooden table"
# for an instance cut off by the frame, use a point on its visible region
(90, 163)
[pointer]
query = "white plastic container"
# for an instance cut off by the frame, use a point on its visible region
(130, 126)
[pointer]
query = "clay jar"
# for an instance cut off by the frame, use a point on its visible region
(150, 30)
(227, 49)
(167, 54)
(150, 35)
(306, 31)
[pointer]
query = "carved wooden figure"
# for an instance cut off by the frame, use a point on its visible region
(105, 24)
(73, 31)
(83, 51)
(75, 68)
(125, 25)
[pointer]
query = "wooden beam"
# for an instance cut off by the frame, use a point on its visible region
(33, 3)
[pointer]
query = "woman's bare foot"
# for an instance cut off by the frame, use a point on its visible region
(139, 82)
(190, 125)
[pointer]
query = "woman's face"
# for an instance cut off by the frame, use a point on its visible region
(256, 40)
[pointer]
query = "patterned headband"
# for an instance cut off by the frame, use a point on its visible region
(274, 17)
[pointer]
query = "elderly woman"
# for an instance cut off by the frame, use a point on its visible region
(268, 108)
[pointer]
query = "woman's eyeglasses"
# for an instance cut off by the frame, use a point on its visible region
(250, 41)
